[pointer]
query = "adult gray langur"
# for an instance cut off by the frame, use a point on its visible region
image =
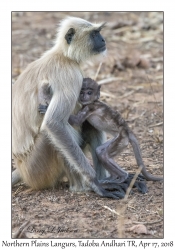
(46, 148)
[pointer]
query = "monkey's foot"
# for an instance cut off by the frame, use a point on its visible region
(111, 184)
(115, 179)
(140, 177)
(140, 184)
(113, 194)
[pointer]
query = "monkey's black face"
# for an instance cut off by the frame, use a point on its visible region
(90, 91)
(87, 96)
(99, 44)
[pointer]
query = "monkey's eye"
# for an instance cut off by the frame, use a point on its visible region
(89, 92)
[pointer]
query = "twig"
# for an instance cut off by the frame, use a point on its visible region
(156, 125)
(122, 210)
(19, 189)
(112, 210)
(111, 79)
(159, 77)
(132, 183)
(157, 59)
(129, 93)
(107, 94)
(98, 70)
(147, 222)
(125, 28)
(20, 232)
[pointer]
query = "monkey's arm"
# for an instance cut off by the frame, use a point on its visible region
(80, 117)
(55, 126)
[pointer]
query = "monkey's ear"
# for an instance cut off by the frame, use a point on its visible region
(69, 35)
(99, 87)
(102, 26)
(98, 95)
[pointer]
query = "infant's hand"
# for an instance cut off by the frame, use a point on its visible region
(86, 109)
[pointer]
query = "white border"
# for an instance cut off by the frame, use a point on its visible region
(5, 93)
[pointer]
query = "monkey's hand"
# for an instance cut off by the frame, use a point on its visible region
(42, 108)
(119, 189)
(80, 117)
(73, 120)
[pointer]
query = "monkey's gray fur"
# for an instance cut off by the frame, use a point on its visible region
(104, 118)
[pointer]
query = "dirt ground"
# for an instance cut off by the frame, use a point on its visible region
(132, 82)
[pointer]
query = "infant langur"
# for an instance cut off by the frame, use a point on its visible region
(103, 118)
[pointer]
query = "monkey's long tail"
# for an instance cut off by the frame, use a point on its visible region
(138, 156)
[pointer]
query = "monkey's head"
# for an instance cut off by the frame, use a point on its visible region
(80, 40)
(90, 91)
